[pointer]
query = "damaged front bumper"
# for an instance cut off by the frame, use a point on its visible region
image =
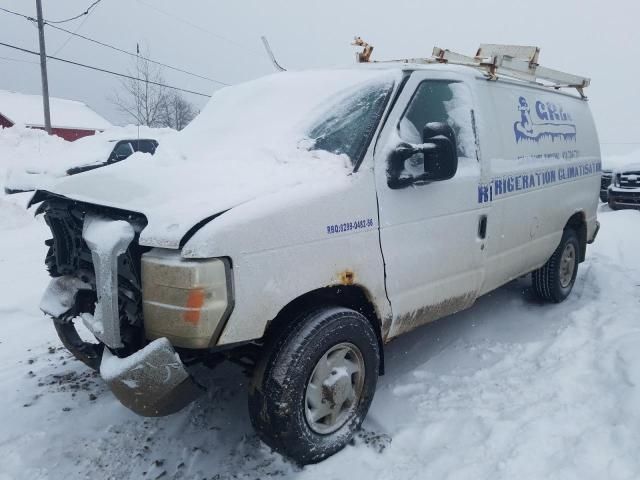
(152, 382)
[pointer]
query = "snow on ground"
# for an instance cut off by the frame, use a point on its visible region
(508, 389)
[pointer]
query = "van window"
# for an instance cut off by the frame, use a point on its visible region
(440, 101)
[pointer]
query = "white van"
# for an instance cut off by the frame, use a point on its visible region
(303, 220)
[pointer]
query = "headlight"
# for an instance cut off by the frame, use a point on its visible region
(186, 301)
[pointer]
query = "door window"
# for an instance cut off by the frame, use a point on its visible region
(440, 101)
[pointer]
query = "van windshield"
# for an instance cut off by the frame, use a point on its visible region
(348, 125)
(332, 111)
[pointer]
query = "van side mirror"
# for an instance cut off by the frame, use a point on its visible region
(436, 159)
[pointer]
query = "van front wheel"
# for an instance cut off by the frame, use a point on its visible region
(314, 384)
(554, 280)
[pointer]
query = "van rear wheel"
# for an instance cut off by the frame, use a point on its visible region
(554, 281)
(314, 384)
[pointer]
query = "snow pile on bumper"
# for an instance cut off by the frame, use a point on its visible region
(151, 382)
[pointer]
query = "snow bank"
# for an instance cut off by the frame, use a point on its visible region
(25, 149)
(30, 157)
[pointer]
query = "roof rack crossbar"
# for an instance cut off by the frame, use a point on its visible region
(515, 61)
(520, 62)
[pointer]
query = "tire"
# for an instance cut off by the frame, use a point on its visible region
(88, 353)
(612, 205)
(321, 348)
(554, 280)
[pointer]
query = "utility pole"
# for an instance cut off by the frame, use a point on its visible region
(43, 69)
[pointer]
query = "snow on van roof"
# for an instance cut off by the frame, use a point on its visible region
(23, 109)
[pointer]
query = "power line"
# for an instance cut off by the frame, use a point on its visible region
(66, 42)
(103, 70)
(103, 44)
(97, 42)
(86, 12)
(18, 60)
(18, 14)
(202, 29)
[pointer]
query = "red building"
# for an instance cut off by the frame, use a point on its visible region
(70, 119)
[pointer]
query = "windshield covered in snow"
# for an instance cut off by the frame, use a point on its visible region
(333, 111)
(349, 124)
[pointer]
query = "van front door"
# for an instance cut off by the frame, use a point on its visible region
(433, 235)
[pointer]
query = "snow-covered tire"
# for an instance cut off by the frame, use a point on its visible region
(335, 346)
(554, 280)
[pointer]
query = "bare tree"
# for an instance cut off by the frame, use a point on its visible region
(177, 112)
(150, 104)
(140, 98)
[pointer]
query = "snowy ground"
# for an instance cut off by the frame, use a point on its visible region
(509, 389)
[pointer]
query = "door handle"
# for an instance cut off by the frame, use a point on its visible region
(482, 227)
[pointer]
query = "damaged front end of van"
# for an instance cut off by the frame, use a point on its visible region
(99, 272)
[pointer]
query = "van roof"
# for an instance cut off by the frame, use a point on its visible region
(462, 70)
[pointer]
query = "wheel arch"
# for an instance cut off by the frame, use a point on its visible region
(578, 223)
(355, 297)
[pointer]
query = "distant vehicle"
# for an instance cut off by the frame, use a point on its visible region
(123, 149)
(119, 149)
(305, 219)
(605, 181)
(624, 191)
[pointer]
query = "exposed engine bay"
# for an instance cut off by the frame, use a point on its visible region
(70, 256)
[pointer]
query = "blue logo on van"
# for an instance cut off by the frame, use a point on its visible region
(552, 122)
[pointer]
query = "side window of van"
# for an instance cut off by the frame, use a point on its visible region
(440, 101)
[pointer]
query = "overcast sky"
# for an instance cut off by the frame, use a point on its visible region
(221, 40)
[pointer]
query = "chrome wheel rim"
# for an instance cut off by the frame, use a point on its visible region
(334, 388)
(567, 265)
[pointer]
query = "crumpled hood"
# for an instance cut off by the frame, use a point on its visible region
(174, 197)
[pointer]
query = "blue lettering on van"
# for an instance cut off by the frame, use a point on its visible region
(552, 122)
(501, 186)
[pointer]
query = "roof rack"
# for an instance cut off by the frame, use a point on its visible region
(515, 61)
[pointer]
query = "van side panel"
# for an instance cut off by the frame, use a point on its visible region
(295, 241)
(543, 168)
